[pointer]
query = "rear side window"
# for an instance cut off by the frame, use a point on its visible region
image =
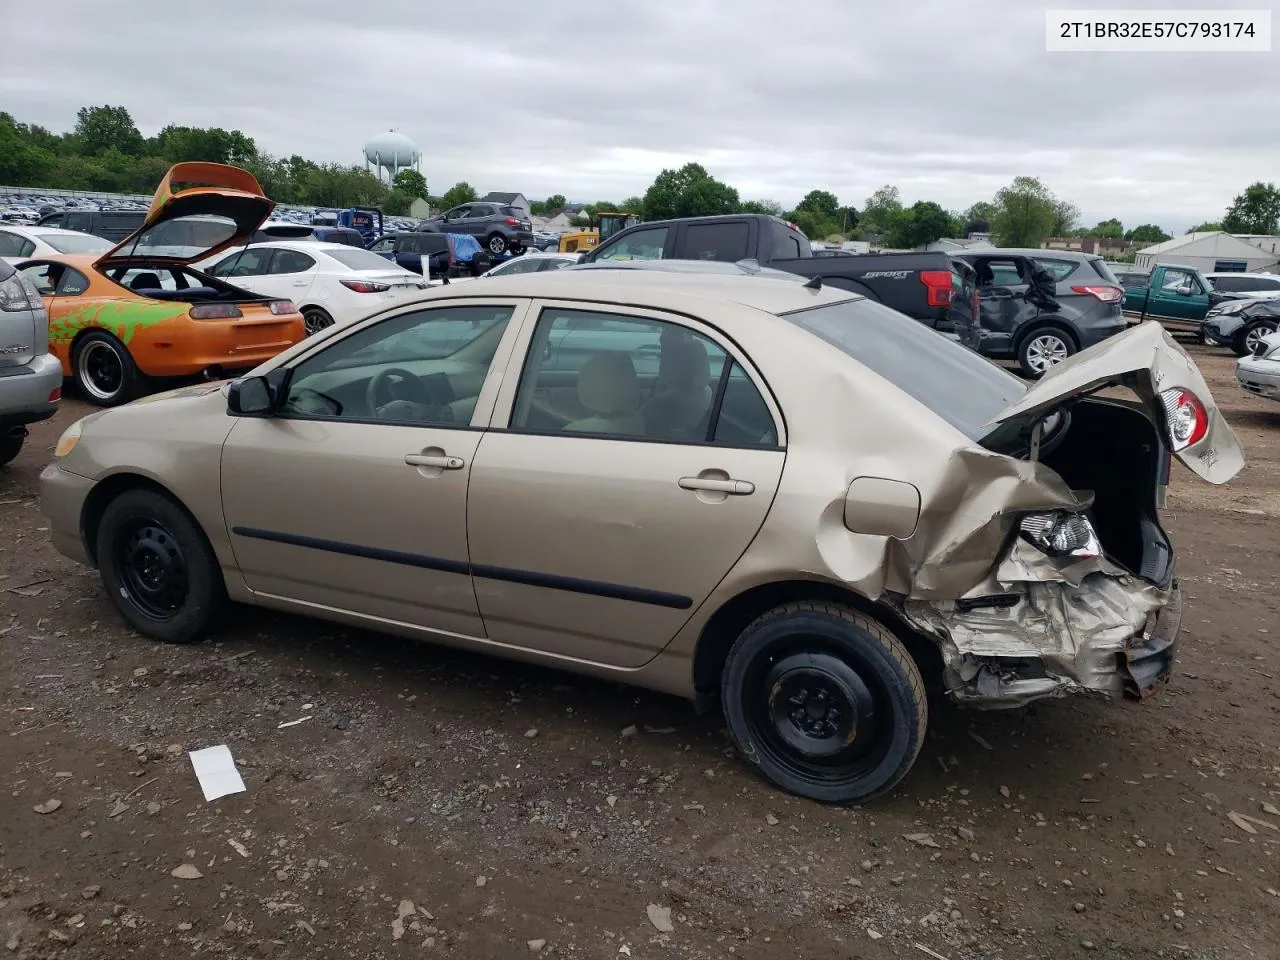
(292, 261)
(1058, 269)
(717, 241)
(510, 212)
(359, 259)
(785, 244)
(12, 245)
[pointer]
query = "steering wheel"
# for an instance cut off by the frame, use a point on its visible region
(398, 384)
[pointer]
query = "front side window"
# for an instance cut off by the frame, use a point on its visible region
(386, 245)
(1176, 279)
(517, 265)
(424, 368)
(636, 378)
(647, 244)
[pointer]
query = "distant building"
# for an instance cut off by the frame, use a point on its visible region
(1103, 246)
(420, 209)
(951, 244)
(1263, 241)
(560, 223)
(516, 200)
(1209, 252)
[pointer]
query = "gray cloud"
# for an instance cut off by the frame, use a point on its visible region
(945, 98)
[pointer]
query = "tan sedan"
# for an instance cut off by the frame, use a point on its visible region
(792, 498)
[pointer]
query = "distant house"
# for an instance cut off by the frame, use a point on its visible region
(516, 200)
(560, 223)
(1263, 241)
(1210, 252)
(420, 209)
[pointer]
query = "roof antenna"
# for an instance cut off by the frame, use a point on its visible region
(813, 283)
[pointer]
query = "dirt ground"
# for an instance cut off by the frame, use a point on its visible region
(432, 803)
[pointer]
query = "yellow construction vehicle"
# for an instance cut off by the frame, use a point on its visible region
(607, 223)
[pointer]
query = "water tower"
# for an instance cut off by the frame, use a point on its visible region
(391, 151)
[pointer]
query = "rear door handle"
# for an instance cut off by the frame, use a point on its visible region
(735, 488)
(424, 460)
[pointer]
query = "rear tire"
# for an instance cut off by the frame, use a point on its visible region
(496, 244)
(1243, 342)
(315, 319)
(1044, 348)
(103, 370)
(10, 447)
(158, 568)
(825, 702)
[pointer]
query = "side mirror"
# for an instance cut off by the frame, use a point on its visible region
(250, 397)
(1184, 290)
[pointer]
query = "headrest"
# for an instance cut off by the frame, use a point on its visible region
(608, 385)
(685, 365)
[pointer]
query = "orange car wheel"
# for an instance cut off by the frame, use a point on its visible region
(103, 369)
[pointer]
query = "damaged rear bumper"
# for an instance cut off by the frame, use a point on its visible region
(1113, 636)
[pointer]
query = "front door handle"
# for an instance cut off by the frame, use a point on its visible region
(734, 488)
(426, 460)
(300, 283)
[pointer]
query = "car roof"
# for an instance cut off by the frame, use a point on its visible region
(1237, 273)
(655, 289)
(32, 230)
(1027, 252)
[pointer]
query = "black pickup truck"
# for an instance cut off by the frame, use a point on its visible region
(921, 285)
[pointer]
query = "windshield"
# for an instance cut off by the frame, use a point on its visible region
(75, 242)
(360, 259)
(954, 382)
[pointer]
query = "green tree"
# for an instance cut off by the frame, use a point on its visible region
(556, 202)
(411, 183)
(1026, 213)
(1066, 219)
(1209, 227)
(461, 192)
(688, 192)
(633, 205)
(821, 202)
(1111, 229)
(213, 145)
(770, 208)
(920, 224)
(98, 128)
(1147, 233)
(1257, 210)
(23, 163)
(881, 211)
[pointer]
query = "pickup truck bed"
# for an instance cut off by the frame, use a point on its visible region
(921, 285)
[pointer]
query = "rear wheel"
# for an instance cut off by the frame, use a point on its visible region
(1042, 349)
(497, 244)
(10, 447)
(103, 369)
(1251, 336)
(825, 702)
(314, 320)
(158, 568)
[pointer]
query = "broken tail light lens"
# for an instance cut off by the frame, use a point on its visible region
(1103, 293)
(938, 285)
(1061, 534)
(1188, 420)
(283, 307)
(365, 286)
(214, 311)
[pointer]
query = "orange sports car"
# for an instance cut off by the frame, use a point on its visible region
(140, 311)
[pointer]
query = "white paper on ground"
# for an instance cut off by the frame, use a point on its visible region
(216, 770)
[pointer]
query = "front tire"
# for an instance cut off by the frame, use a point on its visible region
(103, 370)
(825, 702)
(497, 244)
(315, 319)
(1043, 349)
(1243, 343)
(10, 447)
(158, 568)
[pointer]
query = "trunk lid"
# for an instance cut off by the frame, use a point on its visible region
(1149, 361)
(198, 210)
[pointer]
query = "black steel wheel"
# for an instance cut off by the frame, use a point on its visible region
(103, 369)
(825, 702)
(158, 567)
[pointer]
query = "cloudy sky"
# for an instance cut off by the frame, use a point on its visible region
(947, 99)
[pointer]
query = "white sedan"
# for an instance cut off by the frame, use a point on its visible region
(21, 242)
(330, 282)
(529, 262)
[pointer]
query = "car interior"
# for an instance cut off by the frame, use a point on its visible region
(173, 282)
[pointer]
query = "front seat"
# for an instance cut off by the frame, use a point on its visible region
(684, 395)
(609, 388)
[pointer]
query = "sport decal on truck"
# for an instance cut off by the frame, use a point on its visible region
(889, 274)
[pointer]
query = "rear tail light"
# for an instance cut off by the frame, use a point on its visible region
(55, 394)
(453, 250)
(1187, 417)
(512, 222)
(282, 307)
(938, 285)
(214, 311)
(1061, 534)
(365, 286)
(1105, 294)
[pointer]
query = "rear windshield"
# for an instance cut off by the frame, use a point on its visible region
(954, 382)
(1101, 269)
(358, 259)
